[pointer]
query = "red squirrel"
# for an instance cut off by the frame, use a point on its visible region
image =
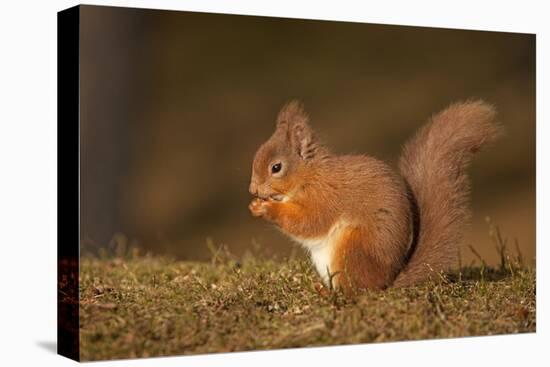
(364, 225)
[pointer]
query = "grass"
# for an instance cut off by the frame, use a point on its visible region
(143, 306)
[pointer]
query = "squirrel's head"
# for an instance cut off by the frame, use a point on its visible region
(281, 163)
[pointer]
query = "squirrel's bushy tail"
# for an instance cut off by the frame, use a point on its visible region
(434, 165)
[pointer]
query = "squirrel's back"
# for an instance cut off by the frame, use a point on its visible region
(433, 164)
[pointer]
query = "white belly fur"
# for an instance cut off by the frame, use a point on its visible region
(321, 249)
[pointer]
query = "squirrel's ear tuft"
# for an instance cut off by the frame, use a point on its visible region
(292, 113)
(295, 121)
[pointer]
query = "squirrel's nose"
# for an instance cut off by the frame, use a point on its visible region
(253, 189)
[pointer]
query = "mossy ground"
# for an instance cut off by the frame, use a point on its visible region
(139, 306)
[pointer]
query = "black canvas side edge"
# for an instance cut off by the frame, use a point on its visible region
(68, 181)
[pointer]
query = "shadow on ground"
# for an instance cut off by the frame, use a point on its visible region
(49, 345)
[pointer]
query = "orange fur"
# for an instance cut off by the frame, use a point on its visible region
(358, 264)
(290, 217)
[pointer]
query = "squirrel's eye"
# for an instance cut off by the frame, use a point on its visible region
(276, 167)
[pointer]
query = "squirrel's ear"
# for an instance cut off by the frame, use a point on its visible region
(294, 120)
(301, 138)
(292, 113)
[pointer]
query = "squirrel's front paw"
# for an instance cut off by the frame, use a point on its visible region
(258, 207)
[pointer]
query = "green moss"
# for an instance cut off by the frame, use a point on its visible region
(151, 306)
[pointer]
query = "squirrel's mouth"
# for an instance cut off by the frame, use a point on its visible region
(277, 197)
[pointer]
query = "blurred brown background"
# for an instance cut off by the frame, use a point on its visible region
(174, 105)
